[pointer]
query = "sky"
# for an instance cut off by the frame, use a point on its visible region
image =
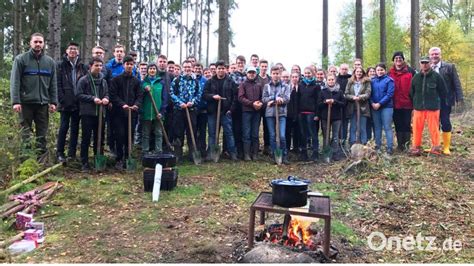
(289, 32)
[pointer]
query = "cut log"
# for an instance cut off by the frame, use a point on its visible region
(29, 180)
(12, 211)
(7, 242)
(5, 207)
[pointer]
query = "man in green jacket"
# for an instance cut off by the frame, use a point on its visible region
(33, 90)
(427, 92)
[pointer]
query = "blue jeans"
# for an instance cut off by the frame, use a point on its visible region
(383, 119)
(309, 129)
(272, 133)
(362, 129)
(250, 127)
(226, 122)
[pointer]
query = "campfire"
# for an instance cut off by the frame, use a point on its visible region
(294, 233)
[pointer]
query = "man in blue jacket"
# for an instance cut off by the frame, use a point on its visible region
(33, 91)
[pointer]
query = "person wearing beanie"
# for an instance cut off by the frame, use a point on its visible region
(402, 74)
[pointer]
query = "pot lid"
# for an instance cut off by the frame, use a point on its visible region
(291, 181)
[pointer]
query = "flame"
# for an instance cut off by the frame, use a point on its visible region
(299, 233)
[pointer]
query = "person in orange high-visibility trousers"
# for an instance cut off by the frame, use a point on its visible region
(427, 91)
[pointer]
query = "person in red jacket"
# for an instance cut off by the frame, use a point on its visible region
(402, 74)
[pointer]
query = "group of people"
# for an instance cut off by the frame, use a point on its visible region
(163, 97)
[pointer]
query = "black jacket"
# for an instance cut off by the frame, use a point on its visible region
(227, 91)
(125, 89)
(67, 88)
(337, 106)
(86, 93)
(453, 85)
(308, 97)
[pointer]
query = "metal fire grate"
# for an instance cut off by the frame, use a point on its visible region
(319, 207)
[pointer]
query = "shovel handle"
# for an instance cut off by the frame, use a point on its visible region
(191, 132)
(328, 123)
(165, 135)
(277, 126)
(218, 119)
(357, 121)
(129, 132)
(99, 130)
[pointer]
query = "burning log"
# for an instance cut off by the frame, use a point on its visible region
(286, 224)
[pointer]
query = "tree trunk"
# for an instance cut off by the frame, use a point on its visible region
(196, 27)
(124, 28)
(108, 24)
(208, 22)
(167, 32)
(54, 29)
(140, 31)
(187, 29)
(200, 32)
(181, 35)
(359, 43)
(224, 38)
(150, 31)
(415, 32)
(17, 28)
(383, 33)
(89, 29)
(325, 35)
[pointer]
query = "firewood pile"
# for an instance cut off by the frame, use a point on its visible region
(29, 202)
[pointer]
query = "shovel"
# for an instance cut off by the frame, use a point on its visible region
(165, 135)
(195, 153)
(278, 151)
(100, 159)
(327, 152)
(131, 164)
(215, 149)
(357, 122)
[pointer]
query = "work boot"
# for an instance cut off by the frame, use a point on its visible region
(314, 156)
(415, 151)
(303, 156)
(85, 167)
(400, 141)
(247, 152)
(61, 158)
(254, 152)
(446, 142)
(233, 156)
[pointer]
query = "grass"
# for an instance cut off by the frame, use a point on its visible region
(108, 218)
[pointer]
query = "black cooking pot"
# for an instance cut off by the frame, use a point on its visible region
(290, 193)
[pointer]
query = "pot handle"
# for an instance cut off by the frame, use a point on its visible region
(305, 191)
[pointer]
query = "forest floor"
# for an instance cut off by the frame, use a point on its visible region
(107, 218)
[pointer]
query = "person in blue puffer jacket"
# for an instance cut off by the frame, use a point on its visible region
(381, 101)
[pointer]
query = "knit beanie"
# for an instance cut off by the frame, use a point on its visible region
(398, 53)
